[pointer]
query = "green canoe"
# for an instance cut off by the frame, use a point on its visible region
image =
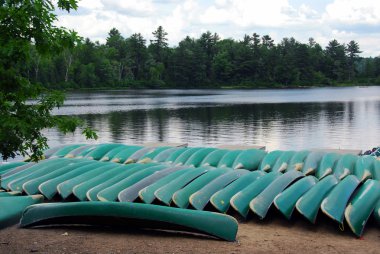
(31, 186)
(201, 198)
(149, 156)
(139, 154)
(164, 155)
(80, 190)
(345, 165)
(261, 203)
(38, 168)
(270, 160)
(16, 170)
(131, 193)
(111, 193)
(213, 158)
(181, 198)
(102, 150)
(376, 170)
(312, 162)
(17, 184)
(110, 154)
(181, 159)
(361, 206)
(80, 152)
(336, 201)
(249, 159)
(174, 155)
(197, 157)
(376, 212)
(308, 205)
(127, 214)
(65, 189)
(228, 159)
(49, 152)
(8, 166)
(124, 154)
(147, 194)
(240, 201)
(327, 164)
(165, 193)
(11, 208)
(62, 152)
(221, 199)
(364, 167)
(286, 201)
(10, 193)
(282, 162)
(92, 194)
(49, 188)
(298, 160)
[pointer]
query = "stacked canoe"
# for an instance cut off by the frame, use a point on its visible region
(150, 183)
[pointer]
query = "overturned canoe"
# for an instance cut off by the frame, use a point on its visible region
(10, 193)
(49, 188)
(62, 152)
(249, 159)
(298, 160)
(286, 201)
(213, 158)
(361, 206)
(124, 154)
(31, 184)
(363, 167)
(270, 160)
(102, 150)
(11, 208)
(228, 159)
(240, 201)
(147, 194)
(8, 166)
(183, 157)
(111, 193)
(130, 169)
(312, 162)
(131, 193)
(149, 156)
(345, 166)
(308, 205)
(181, 198)
(115, 213)
(80, 190)
(200, 199)
(175, 154)
(165, 193)
(196, 159)
(336, 201)
(282, 162)
(139, 154)
(262, 202)
(164, 155)
(110, 154)
(221, 199)
(327, 164)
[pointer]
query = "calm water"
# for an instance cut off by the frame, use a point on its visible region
(278, 119)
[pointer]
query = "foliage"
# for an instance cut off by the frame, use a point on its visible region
(28, 38)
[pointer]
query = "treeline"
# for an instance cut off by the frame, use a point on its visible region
(207, 61)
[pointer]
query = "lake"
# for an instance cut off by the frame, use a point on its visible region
(279, 119)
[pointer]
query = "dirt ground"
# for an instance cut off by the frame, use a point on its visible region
(270, 236)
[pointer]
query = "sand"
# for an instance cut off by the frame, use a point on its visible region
(270, 236)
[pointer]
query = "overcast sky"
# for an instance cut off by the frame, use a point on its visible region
(323, 20)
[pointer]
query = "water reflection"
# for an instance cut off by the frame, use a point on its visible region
(198, 121)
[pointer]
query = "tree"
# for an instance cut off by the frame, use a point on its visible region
(159, 44)
(353, 52)
(25, 107)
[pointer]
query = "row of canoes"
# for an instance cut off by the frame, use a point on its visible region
(248, 181)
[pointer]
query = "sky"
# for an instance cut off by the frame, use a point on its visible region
(324, 20)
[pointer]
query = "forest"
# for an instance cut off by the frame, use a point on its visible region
(206, 62)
